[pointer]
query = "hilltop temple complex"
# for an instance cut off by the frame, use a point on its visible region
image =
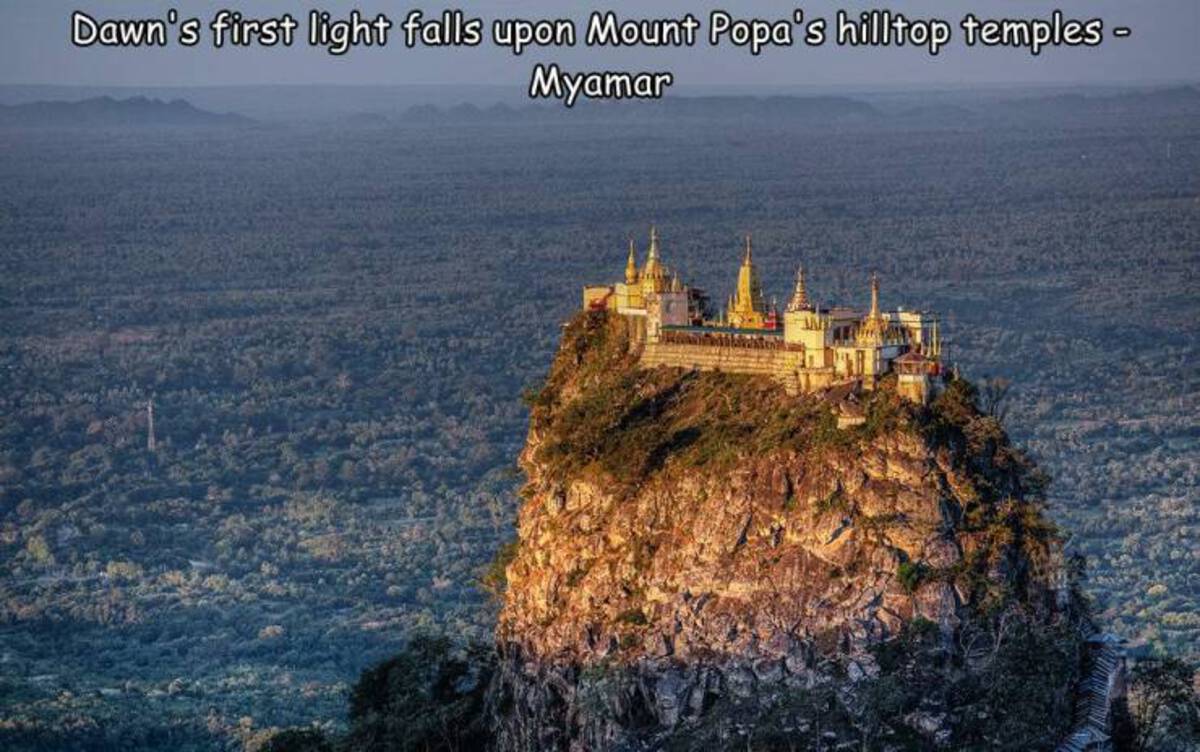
(806, 347)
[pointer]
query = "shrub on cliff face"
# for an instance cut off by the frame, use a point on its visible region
(910, 575)
(429, 698)
(495, 578)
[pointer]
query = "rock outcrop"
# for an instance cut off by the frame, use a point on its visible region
(706, 562)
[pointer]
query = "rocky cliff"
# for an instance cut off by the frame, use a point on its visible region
(705, 562)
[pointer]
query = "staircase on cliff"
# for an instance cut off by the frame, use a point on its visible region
(1103, 685)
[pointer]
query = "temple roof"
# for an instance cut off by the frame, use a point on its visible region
(799, 301)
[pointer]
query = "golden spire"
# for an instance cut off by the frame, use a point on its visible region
(631, 272)
(799, 300)
(873, 328)
(747, 309)
(654, 273)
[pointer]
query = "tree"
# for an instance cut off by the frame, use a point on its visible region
(1163, 708)
(38, 549)
(993, 397)
(298, 740)
(429, 698)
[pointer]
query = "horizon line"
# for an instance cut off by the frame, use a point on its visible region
(860, 87)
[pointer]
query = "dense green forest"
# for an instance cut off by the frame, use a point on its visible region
(335, 326)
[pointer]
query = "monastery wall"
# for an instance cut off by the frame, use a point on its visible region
(722, 358)
(785, 365)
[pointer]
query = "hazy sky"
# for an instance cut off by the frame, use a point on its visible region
(1164, 46)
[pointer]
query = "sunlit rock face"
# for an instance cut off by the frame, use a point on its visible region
(691, 543)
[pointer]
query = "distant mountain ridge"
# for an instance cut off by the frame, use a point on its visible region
(109, 112)
(831, 110)
(816, 109)
(379, 106)
(1164, 102)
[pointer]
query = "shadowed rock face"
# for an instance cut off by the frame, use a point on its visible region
(692, 542)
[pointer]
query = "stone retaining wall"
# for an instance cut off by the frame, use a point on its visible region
(778, 363)
(785, 365)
